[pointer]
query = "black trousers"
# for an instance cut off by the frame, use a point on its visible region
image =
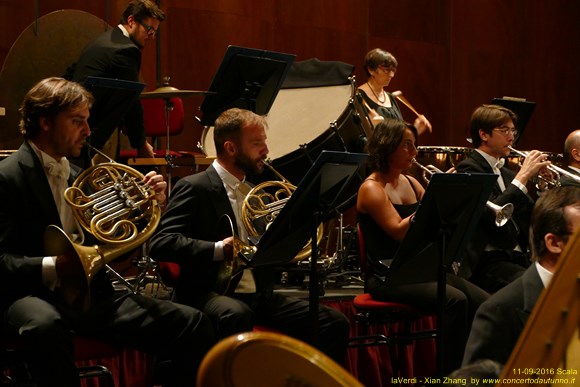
(289, 315)
(166, 329)
(462, 300)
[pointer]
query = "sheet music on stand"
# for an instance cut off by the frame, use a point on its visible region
(323, 187)
(521, 107)
(113, 97)
(247, 78)
(447, 215)
(319, 192)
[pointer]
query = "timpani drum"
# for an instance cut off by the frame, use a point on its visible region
(442, 157)
(305, 121)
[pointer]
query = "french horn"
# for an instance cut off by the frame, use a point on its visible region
(111, 202)
(263, 204)
(260, 208)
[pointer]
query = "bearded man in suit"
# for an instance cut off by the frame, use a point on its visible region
(189, 235)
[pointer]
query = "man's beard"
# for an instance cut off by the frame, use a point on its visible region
(249, 166)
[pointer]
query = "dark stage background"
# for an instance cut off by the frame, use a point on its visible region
(453, 54)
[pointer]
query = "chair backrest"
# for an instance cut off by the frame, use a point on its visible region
(264, 359)
(169, 272)
(154, 110)
(361, 249)
(362, 254)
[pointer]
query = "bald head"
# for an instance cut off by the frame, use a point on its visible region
(572, 149)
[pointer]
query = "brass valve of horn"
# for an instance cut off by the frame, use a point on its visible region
(263, 204)
(111, 202)
(260, 208)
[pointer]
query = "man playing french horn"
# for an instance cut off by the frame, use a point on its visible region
(495, 256)
(189, 234)
(34, 310)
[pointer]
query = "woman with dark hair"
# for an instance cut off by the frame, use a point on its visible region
(386, 202)
(380, 67)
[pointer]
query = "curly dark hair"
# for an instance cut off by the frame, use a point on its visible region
(384, 140)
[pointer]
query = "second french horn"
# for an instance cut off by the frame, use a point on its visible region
(260, 208)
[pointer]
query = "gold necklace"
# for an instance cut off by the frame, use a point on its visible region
(375, 94)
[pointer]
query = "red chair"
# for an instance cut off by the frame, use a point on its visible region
(154, 117)
(398, 317)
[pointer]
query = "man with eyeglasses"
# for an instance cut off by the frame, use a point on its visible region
(500, 320)
(116, 54)
(495, 256)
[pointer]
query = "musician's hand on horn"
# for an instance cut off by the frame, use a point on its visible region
(422, 124)
(159, 185)
(531, 166)
(228, 245)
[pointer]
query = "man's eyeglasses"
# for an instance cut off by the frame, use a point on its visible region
(505, 130)
(150, 30)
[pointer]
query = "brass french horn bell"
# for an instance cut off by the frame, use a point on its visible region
(111, 202)
(234, 263)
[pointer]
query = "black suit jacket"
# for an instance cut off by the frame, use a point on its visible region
(188, 231)
(500, 320)
(568, 181)
(26, 208)
(112, 55)
(507, 236)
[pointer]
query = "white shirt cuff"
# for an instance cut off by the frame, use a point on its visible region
(522, 187)
(49, 276)
(218, 251)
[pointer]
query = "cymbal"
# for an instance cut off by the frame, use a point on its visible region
(171, 92)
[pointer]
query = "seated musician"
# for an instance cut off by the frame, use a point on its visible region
(386, 202)
(495, 256)
(501, 319)
(189, 235)
(35, 286)
(380, 67)
(572, 158)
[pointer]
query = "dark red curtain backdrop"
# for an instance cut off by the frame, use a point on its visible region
(453, 54)
(372, 366)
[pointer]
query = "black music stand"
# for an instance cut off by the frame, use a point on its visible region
(113, 98)
(317, 195)
(247, 78)
(442, 225)
(521, 107)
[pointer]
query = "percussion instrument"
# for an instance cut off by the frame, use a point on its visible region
(441, 157)
(172, 92)
(305, 121)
